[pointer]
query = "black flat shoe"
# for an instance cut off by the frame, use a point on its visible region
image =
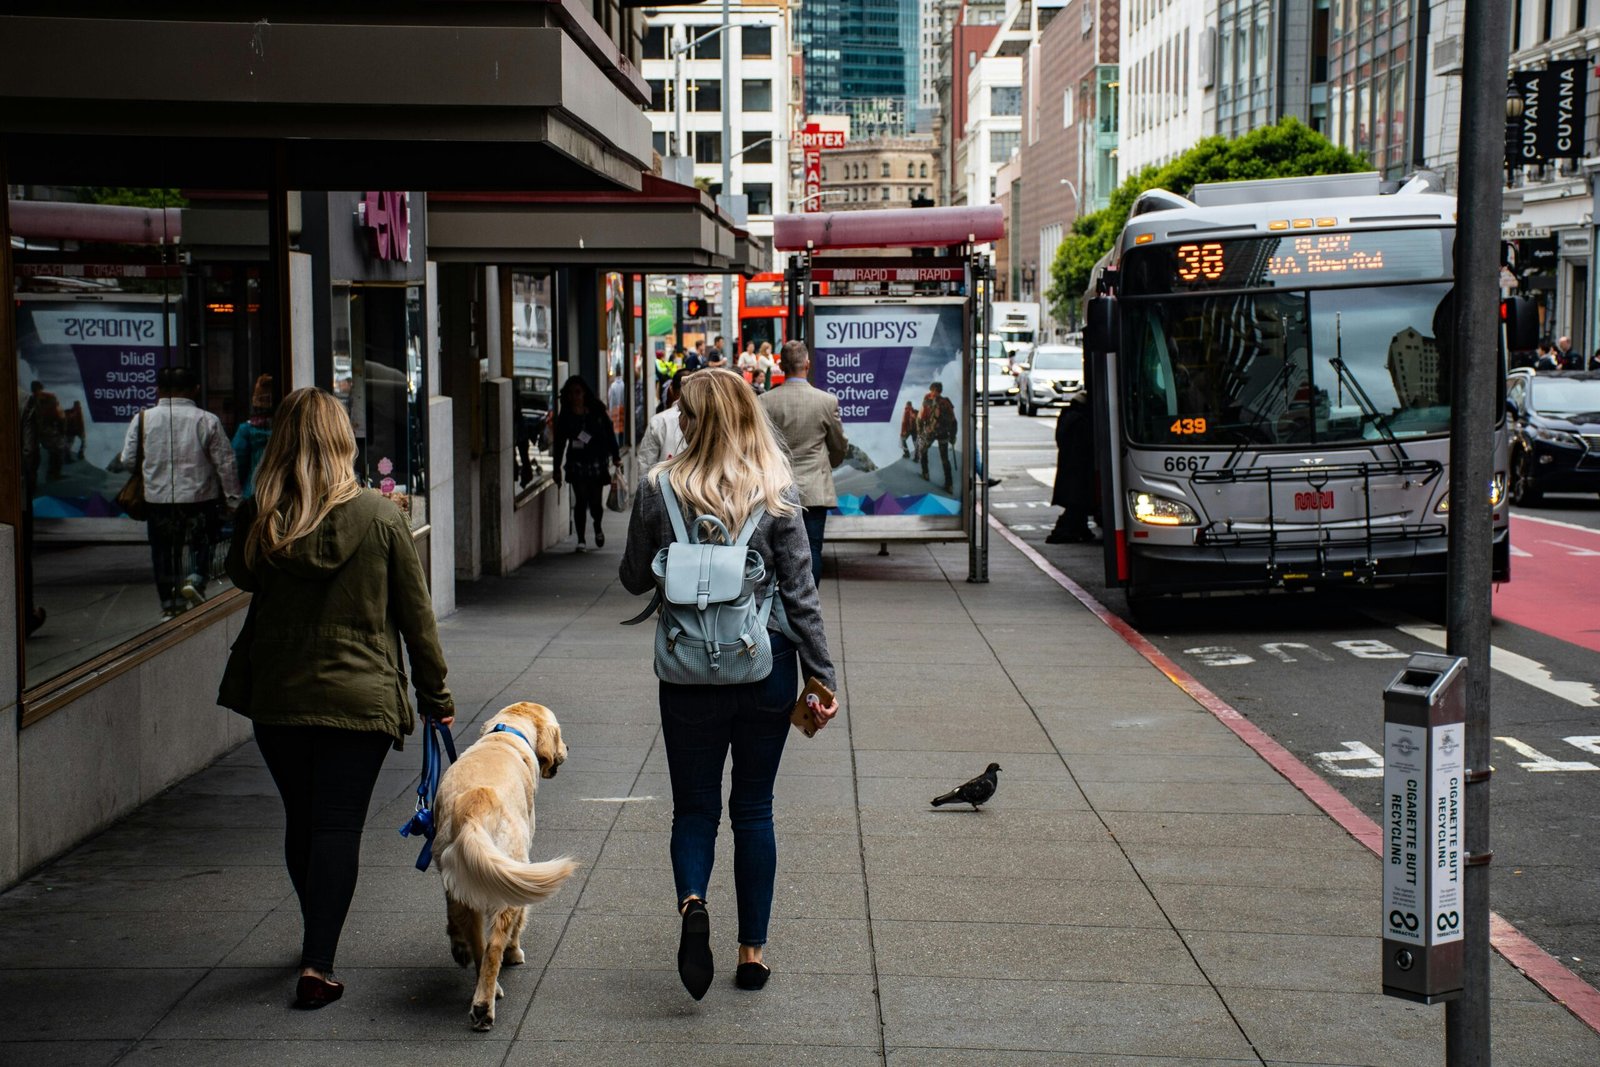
(312, 992)
(752, 975)
(694, 950)
(599, 539)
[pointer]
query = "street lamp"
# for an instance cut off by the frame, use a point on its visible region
(1077, 201)
(823, 193)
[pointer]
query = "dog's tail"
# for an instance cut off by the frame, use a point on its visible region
(481, 876)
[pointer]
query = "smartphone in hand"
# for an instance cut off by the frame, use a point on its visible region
(817, 694)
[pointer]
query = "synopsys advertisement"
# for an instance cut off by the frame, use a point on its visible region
(897, 371)
(86, 369)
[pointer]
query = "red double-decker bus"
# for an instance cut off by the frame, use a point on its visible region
(762, 312)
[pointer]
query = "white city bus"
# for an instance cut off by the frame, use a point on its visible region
(1271, 367)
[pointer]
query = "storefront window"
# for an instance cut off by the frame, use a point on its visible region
(378, 364)
(136, 309)
(533, 376)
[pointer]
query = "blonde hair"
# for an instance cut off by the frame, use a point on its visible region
(765, 349)
(308, 469)
(731, 459)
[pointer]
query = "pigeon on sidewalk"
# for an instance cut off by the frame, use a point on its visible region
(974, 792)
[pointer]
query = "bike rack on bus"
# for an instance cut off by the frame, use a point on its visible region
(1315, 476)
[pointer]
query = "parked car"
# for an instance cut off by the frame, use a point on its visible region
(1555, 439)
(1002, 383)
(1053, 373)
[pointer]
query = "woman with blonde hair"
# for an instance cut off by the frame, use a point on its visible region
(730, 465)
(335, 584)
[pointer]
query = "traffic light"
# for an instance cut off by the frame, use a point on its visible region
(694, 308)
(1519, 315)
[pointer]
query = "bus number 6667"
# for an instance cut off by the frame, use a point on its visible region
(1184, 463)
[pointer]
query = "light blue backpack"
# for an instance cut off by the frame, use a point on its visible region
(715, 598)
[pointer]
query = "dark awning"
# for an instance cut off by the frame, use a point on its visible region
(340, 96)
(663, 228)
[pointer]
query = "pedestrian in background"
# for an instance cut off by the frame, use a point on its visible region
(663, 438)
(584, 451)
(336, 584)
(1074, 488)
(765, 365)
(731, 463)
(808, 425)
(250, 439)
(715, 356)
(190, 476)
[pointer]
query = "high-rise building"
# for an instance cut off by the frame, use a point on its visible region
(1161, 117)
(862, 60)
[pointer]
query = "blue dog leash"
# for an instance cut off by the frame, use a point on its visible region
(435, 736)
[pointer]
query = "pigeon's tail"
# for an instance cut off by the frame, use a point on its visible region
(952, 797)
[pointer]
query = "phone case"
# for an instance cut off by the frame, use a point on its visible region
(800, 717)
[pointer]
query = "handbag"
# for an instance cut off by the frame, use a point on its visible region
(130, 498)
(617, 496)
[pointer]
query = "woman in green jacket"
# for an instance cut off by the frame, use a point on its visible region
(336, 585)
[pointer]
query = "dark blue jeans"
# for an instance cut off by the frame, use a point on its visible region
(700, 725)
(816, 520)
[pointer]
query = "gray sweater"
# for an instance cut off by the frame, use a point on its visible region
(784, 548)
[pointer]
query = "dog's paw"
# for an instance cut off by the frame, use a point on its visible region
(514, 956)
(461, 952)
(499, 991)
(482, 1016)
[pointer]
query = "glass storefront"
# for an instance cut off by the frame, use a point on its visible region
(533, 372)
(136, 309)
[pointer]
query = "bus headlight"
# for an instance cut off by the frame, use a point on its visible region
(1497, 493)
(1153, 510)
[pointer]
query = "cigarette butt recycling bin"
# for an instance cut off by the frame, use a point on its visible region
(1424, 851)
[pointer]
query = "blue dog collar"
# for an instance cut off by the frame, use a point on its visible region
(502, 728)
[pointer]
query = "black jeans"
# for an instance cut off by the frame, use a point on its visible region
(181, 536)
(815, 519)
(700, 725)
(325, 776)
(588, 498)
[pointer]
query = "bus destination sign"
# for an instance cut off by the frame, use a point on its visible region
(1290, 261)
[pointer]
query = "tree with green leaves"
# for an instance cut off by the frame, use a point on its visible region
(1289, 149)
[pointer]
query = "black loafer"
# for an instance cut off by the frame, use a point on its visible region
(752, 975)
(694, 950)
(312, 992)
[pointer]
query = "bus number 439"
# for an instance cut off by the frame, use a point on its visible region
(1314, 501)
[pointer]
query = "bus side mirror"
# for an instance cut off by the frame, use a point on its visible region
(1520, 317)
(1100, 327)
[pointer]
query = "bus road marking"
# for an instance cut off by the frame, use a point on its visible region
(1278, 650)
(1355, 752)
(1538, 761)
(1519, 667)
(1572, 550)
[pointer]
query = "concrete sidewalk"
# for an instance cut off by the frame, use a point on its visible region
(1143, 890)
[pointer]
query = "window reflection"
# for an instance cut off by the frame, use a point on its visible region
(533, 376)
(118, 332)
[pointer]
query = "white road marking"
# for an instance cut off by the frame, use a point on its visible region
(1538, 761)
(1276, 649)
(1045, 476)
(1572, 550)
(1591, 743)
(1368, 648)
(1557, 522)
(616, 800)
(1355, 751)
(1219, 656)
(1521, 668)
(1515, 551)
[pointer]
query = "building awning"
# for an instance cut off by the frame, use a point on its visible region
(662, 228)
(340, 98)
(901, 228)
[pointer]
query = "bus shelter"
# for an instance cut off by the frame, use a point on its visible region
(895, 306)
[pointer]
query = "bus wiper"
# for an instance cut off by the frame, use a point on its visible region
(1247, 436)
(1368, 408)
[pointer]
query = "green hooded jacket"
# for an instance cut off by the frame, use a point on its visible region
(321, 643)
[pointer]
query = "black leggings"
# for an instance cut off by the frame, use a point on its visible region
(588, 498)
(325, 776)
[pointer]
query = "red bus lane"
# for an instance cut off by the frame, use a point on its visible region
(1555, 581)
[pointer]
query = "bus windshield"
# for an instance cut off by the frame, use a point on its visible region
(1285, 367)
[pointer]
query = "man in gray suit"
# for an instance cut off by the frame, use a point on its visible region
(807, 421)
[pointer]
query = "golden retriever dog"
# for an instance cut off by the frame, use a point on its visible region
(484, 810)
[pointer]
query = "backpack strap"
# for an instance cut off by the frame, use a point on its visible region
(674, 509)
(750, 525)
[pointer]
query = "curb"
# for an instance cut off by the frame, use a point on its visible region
(1543, 969)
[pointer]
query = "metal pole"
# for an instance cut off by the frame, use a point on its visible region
(729, 326)
(1486, 52)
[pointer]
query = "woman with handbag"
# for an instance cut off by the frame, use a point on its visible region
(335, 584)
(585, 452)
(730, 468)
